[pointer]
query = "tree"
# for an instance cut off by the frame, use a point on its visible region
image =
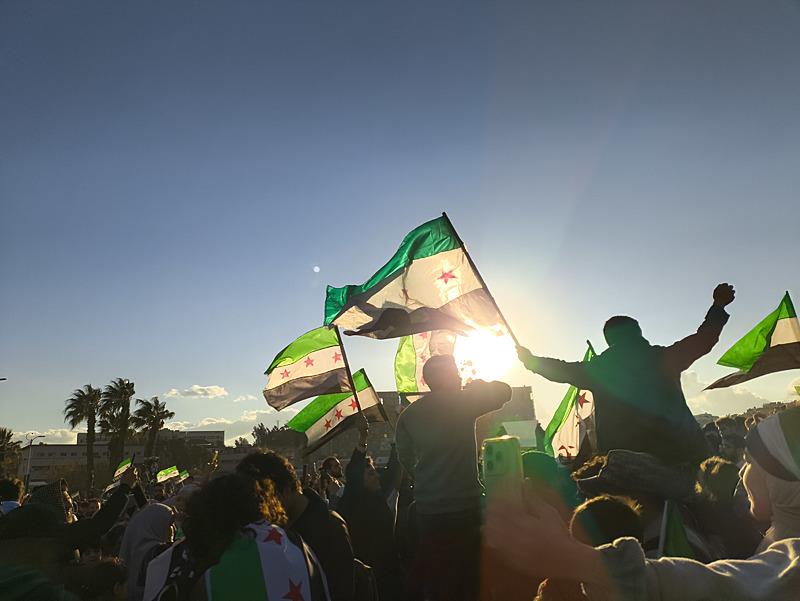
(9, 450)
(115, 414)
(241, 443)
(260, 435)
(150, 417)
(83, 406)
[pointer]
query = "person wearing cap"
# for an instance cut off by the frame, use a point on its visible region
(772, 475)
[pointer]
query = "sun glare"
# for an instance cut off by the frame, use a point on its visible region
(484, 355)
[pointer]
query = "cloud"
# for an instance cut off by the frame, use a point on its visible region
(720, 401)
(243, 426)
(51, 436)
(178, 425)
(245, 397)
(195, 390)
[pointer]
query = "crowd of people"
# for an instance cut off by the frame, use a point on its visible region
(659, 509)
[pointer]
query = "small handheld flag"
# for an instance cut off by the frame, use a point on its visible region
(412, 353)
(122, 467)
(166, 474)
(567, 429)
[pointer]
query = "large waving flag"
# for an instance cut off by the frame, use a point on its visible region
(311, 365)
(568, 428)
(330, 414)
(772, 346)
(412, 353)
(429, 284)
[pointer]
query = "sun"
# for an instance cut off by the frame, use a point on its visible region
(484, 355)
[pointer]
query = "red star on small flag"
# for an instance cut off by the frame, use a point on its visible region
(337, 357)
(423, 335)
(284, 374)
(275, 536)
(327, 424)
(582, 400)
(447, 276)
(338, 414)
(309, 362)
(295, 592)
(353, 405)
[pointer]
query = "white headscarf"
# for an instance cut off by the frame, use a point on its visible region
(148, 528)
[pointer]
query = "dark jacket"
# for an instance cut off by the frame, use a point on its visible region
(639, 403)
(326, 533)
(436, 444)
(371, 524)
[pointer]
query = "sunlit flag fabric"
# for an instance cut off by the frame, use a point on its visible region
(568, 428)
(122, 467)
(429, 284)
(412, 353)
(331, 414)
(674, 539)
(772, 346)
(167, 473)
(311, 365)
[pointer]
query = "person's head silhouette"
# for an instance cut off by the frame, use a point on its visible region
(621, 329)
(441, 373)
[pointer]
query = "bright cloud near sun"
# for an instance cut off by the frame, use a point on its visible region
(484, 355)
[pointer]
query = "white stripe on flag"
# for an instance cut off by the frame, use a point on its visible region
(283, 564)
(313, 364)
(787, 331)
(428, 282)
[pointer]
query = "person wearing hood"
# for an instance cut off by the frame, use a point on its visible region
(639, 403)
(150, 532)
(772, 475)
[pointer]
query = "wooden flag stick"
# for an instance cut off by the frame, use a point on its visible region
(481, 280)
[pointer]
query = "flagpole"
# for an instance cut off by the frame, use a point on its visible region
(480, 278)
(349, 373)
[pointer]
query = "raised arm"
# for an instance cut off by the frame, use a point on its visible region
(556, 370)
(683, 353)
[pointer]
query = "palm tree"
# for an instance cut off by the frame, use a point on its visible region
(83, 406)
(9, 448)
(150, 417)
(260, 435)
(115, 414)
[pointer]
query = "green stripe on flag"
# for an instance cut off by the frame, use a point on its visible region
(167, 473)
(429, 239)
(563, 410)
(124, 464)
(309, 342)
(238, 574)
(676, 542)
(405, 366)
(314, 411)
(752, 345)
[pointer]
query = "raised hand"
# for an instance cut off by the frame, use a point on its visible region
(724, 295)
(524, 355)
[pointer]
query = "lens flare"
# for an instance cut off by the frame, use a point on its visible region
(484, 355)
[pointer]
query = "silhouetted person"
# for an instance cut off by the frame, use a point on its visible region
(436, 445)
(639, 404)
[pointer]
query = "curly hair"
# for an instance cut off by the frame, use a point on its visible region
(216, 512)
(270, 465)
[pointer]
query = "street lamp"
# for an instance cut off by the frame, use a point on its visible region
(30, 452)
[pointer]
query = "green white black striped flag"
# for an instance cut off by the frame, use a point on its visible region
(124, 465)
(331, 414)
(772, 346)
(429, 284)
(166, 474)
(311, 365)
(568, 428)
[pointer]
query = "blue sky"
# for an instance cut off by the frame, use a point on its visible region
(170, 174)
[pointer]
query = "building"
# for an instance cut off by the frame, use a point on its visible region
(213, 438)
(50, 461)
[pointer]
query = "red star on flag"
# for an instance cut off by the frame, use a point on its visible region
(582, 400)
(353, 405)
(447, 276)
(338, 414)
(309, 362)
(566, 450)
(327, 424)
(275, 536)
(423, 335)
(295, 592)
(284, 374)
(337, 357)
